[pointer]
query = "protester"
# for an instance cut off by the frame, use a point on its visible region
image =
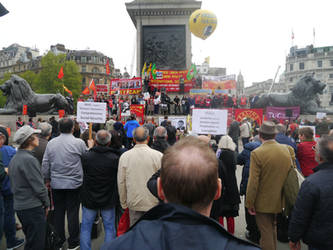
(171, 131)
(85, 136)
(188, 191)
(31, 201)
(151, 127)
(110, 122)
(305, 151)
(19, 123)
(136, 166)
(269, 166)
(234, 132)
(160, 139)
(129, 127)
(99, 189)
(116, 142)
(63, 170)
(165, 121)
(230, 199)
(252, 233)
(44, 136)
(312, 217)
(245, 131)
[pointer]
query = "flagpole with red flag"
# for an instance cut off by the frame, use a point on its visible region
(61, 73)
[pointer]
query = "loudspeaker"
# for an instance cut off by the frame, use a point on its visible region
(289, 113)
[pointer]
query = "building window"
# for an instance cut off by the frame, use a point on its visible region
(291, 79)
(331, 62)
(331, 75)
(301, 65)
(291, 67)
(83, 81)
(84, 68)
(320, 64)
(331, 89)
(95, 70)
(83, 59)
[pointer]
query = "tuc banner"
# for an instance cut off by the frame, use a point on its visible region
(284, 113)
(169, 79)
(219, 82)
(126, 86)
(253, 114)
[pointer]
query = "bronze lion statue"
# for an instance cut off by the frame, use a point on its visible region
(303, 94)
(19, 93)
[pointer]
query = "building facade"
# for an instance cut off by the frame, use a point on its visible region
(259, 88)
(17, 59)
(311, 60)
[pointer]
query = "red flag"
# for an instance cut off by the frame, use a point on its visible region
(25, 110)
(61, 73)
(107, 67)
(86, 91)
(92, 85)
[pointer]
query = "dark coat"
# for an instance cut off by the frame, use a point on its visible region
(173, 227)
(244, 159)
(234, 131)
(39, 151)
(100, 168)
(230, 198)
(312, 217)
(171, 130)
(160, 144)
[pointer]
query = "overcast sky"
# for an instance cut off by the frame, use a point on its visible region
(252, 36)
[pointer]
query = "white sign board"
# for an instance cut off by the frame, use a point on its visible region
(209, 121)
(320, 115)
(94, 112)
(178, 121)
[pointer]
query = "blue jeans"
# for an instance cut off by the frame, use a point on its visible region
(88, 217)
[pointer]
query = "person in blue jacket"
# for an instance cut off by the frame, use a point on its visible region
(188, 185)
(129, 127)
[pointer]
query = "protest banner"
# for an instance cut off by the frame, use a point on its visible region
(25, 110)
(61, 113)
(139, 111)
(200, 92)
(94, 112)
(209, 121)
(320, 115)
(219, 82)
(282, 113)
(179, 122)
(126, 86)
(253, 114)
(169, 79)
(102, 88)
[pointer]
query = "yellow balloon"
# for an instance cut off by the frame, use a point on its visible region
(202, 23)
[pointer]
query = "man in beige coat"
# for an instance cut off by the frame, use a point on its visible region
(269, 166)
(135, 168)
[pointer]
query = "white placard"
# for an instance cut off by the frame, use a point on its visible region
(209, 121)
(94, 112)
(320, 115)
(178, 121)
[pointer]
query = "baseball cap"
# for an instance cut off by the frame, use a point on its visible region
(24, 133)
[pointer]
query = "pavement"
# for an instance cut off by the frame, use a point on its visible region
(240, 226)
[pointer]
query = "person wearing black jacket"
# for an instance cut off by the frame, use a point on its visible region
(171, 131)
(160, 139)
(99, 189)
(234, 132)
(312, 216)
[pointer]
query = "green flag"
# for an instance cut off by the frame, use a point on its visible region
(192, 72)
(153, 71)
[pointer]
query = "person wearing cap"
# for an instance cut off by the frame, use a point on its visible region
(31, 201)
(269, 167)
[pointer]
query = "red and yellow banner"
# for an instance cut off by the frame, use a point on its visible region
(169, 79)
(253, 114)
(126, 86)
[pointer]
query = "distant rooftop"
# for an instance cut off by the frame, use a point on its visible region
(294, 51)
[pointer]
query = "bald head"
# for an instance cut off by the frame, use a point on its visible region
(204, 138)
(141, 135)
(103, 138)
(188, 171)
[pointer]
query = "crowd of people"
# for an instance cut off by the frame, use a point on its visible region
(179, 190)
(161, 103)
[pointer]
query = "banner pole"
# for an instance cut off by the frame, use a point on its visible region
(90, 130)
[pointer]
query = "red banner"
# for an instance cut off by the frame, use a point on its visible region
(169, 79)
(61, 113)
(25, 110)
(126, 86)
(253, 114)
(139, 111)
(102, 88)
